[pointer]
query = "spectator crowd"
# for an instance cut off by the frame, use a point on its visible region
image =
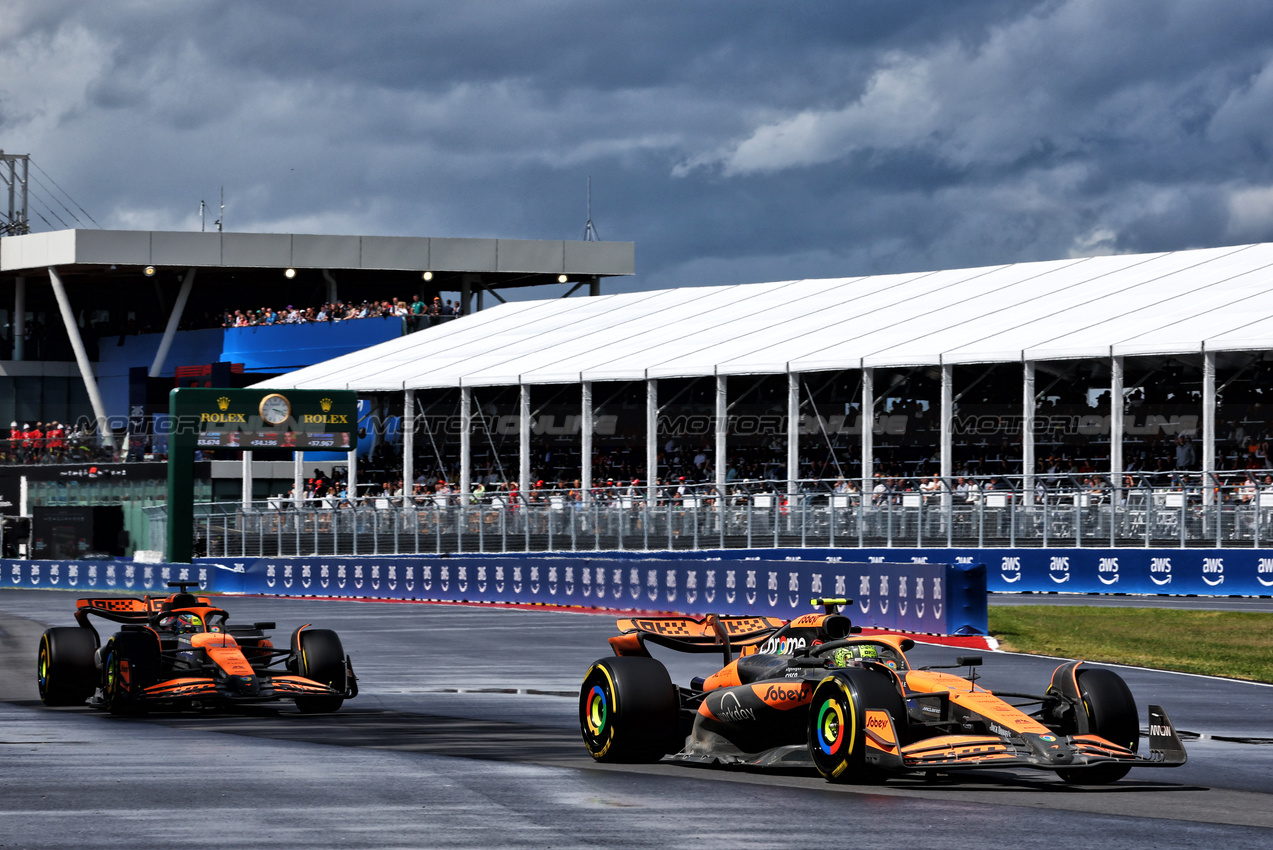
(341, 311)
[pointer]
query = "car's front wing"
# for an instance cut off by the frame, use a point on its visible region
(1047, 752)
(208, 689)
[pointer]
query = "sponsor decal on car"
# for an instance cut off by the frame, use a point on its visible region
(732, 711)
(784, 695)
(782, 645)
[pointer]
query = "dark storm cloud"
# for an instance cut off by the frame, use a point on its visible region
(731, 141)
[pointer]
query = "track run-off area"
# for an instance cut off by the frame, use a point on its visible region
(465, 733)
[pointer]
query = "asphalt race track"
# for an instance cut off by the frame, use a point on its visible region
(465, 734)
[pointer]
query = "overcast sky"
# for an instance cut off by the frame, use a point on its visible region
(732, 142)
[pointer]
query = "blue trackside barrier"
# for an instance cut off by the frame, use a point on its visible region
(1174, 572)
(117, 576)
(930, 598)
(915, 597)
(763, 581)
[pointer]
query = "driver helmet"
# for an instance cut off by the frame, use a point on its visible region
(853, 655)
(186, 623)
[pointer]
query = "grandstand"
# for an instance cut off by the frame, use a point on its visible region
(971, 380)
(97, 326)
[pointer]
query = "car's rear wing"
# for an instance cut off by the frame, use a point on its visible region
(121, 609)
(713, 633)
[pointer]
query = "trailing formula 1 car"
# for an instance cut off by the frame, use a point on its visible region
(180, 652)
(817, 693)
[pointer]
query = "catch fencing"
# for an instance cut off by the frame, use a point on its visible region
(1182, 511)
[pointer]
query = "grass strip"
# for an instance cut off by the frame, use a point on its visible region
(1236, 644)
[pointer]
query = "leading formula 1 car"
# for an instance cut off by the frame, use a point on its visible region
(816, 692)
(180, 652)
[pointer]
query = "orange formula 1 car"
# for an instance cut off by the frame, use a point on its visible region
(815, 692)
(180, 652)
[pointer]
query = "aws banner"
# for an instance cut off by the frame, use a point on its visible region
(930, 598)
(1202, 572)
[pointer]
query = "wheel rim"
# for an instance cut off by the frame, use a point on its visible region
(42, 666)
(597, 710)
(112, 676)
(831, 727)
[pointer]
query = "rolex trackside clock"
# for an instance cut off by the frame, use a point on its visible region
(275, 409)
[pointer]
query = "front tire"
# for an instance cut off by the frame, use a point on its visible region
(837, 723)
(65, 671)
(319, 656)
(1111, 713)
(628, 710)
(140, 651)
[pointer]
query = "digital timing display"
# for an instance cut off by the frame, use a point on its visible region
(274, 440)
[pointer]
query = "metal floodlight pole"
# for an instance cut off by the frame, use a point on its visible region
(18, 221)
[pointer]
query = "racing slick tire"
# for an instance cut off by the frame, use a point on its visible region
(140, 649)
(837, 716)
(319, 655)
(1111, 713)
(629, 710)
(65, 671)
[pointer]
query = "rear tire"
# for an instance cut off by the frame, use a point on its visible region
(837, 716)
(1111, 713)
(628, 710)
(319, 655)
(65, 671)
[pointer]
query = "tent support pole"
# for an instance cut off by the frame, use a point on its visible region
(651, 439)
(247, 479)
(1027, 431)
(1116, 424)
(466, 438)
(868, 431)
(793, 435)
(1208, 426)
(408, 445)
(722, 429)
(585, 435)
(947, 414)
(523, 441)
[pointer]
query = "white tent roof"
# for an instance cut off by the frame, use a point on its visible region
(1173, 303)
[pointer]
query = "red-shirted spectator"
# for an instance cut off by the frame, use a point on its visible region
(56, 439)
